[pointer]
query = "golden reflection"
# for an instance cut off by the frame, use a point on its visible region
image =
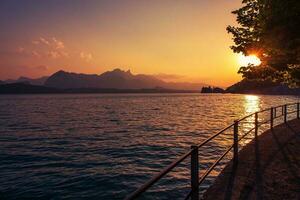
(251, 103)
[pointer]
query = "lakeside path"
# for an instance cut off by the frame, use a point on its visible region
(268, 168)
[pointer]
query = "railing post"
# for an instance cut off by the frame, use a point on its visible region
(298, 110)
(236, 142)
(195, 173)
(285, 113)
(272, 118)
(256, 124)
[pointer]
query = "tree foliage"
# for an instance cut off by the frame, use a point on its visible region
(269, 29)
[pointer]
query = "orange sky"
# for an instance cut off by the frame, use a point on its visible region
(185, 39)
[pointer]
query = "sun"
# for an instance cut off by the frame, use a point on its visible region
(251, 59)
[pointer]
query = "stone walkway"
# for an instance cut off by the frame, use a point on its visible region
(268, 168)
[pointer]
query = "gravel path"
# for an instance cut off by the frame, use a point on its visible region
(268, 168)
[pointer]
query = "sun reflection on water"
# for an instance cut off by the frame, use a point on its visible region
(251, 104)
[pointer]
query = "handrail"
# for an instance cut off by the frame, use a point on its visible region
(158, 176)
(212, 137)
(247, 116)
(194, 150)
(246, 133)
(213, 165)
(206, 173)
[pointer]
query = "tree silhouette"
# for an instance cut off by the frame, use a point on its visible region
(269, 29)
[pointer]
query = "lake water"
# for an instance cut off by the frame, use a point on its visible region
(102, 146)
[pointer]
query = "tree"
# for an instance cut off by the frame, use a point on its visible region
(270, 30)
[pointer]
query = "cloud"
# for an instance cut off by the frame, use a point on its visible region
(50, 42)
(48, 47)
(35, 54)
(44, 41)
(54, 54)
(88, 57)
(57, 54)
(58, 44)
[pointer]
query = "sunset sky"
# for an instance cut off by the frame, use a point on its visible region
(181, 40)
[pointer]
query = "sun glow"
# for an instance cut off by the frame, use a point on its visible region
(246, 60)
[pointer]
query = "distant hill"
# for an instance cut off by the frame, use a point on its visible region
(2, 82)
(116, 79)
(261, 87)
(107, 90)
(25, 88)
(37, 81)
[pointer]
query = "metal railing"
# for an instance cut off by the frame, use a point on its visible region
(196, 181)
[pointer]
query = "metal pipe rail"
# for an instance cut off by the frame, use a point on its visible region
(194, 152)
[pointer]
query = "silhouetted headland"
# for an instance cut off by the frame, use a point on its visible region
(268, 168)
(261, 87)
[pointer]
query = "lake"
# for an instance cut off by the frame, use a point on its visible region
(104, 146)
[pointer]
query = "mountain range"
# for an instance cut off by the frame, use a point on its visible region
(119, 81)
(115, 79)
(22, 79)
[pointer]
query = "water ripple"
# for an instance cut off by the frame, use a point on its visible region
(105, 146)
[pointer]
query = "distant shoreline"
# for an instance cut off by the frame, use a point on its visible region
(23, 89)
